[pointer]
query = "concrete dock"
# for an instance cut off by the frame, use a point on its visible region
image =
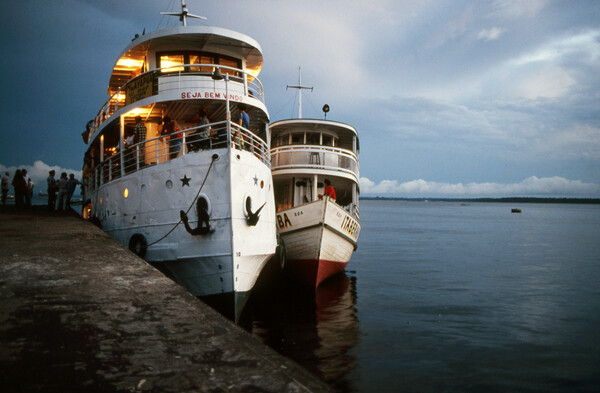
(81, 313)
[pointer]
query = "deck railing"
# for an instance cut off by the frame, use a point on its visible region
(165, 148)
(315, 157)
(164, 80)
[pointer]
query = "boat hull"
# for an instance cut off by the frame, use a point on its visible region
(226, 259)
(319, 239)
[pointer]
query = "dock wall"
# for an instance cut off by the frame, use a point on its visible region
(79, 312)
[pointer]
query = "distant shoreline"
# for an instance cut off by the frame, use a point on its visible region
(587, 201)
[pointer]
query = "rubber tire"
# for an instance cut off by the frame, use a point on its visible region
(138, 245)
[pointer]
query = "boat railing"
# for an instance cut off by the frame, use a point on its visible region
(164, 148)
(312, 157)
(187, 78)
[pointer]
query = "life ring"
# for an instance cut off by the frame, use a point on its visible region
(138, 245)
(281, 254)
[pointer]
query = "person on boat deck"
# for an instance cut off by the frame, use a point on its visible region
(140, 135)
(169, 128)
(200, 139)
(244, 121)
(329, 190)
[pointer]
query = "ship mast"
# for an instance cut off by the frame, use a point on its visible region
(299, 87)
(184, 14)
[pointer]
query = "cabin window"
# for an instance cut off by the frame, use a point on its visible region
(298, 138)
(169, 61)
(228, 62)
(313, 138)
(327, 140)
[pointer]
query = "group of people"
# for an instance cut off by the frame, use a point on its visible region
(22, 185)
(60, 192)
(202, 138)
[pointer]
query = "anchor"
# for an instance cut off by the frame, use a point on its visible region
(253, 217)
(203, 227)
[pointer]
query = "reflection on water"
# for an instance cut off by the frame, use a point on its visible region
(317, 329)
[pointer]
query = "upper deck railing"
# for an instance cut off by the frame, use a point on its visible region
(165, 80)
(164, 148)
(315, 157)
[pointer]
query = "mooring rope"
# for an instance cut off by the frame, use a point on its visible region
(214, 158)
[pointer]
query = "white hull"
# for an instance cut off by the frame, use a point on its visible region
(230, 258)
(319, 239)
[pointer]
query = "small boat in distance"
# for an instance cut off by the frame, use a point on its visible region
(515, 210)
(317, 233)
(169, 174)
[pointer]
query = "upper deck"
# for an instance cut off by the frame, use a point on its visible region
(177, 64)
(314, 146)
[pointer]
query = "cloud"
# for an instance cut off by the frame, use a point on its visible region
(532, 186)
(39, 172)
(517, 8)
(490, 34)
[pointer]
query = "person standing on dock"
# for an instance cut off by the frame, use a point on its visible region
(5, 186)
(71, 186)
(52, 188)
(63, 187)
(26, 194)
(20, 187)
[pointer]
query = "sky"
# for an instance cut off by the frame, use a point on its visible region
(450, 98)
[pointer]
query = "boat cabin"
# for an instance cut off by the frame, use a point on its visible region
(305, 152)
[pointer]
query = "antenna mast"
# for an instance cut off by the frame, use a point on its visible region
(184, 14)
(299, 87)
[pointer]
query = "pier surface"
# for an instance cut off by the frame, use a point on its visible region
(79, 312)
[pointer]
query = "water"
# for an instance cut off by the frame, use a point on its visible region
(446, 297)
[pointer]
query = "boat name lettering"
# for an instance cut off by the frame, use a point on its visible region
(283, 222)
(349, 226)
(210, 94)
(298, 213)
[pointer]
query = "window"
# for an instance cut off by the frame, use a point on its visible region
(313, 138)
(298, 138)
(169, 61)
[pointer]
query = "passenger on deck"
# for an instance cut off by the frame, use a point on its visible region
(169, 128)
(201, 138)
(244, 121)
(329, 190)
(140, 136)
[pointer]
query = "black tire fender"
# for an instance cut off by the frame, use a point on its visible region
(138, 244)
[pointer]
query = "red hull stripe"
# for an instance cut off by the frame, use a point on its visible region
(313, 272)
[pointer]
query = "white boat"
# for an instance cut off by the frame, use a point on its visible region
(197, 203)
(318, 234)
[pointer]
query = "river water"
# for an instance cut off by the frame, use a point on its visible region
(449, 297)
